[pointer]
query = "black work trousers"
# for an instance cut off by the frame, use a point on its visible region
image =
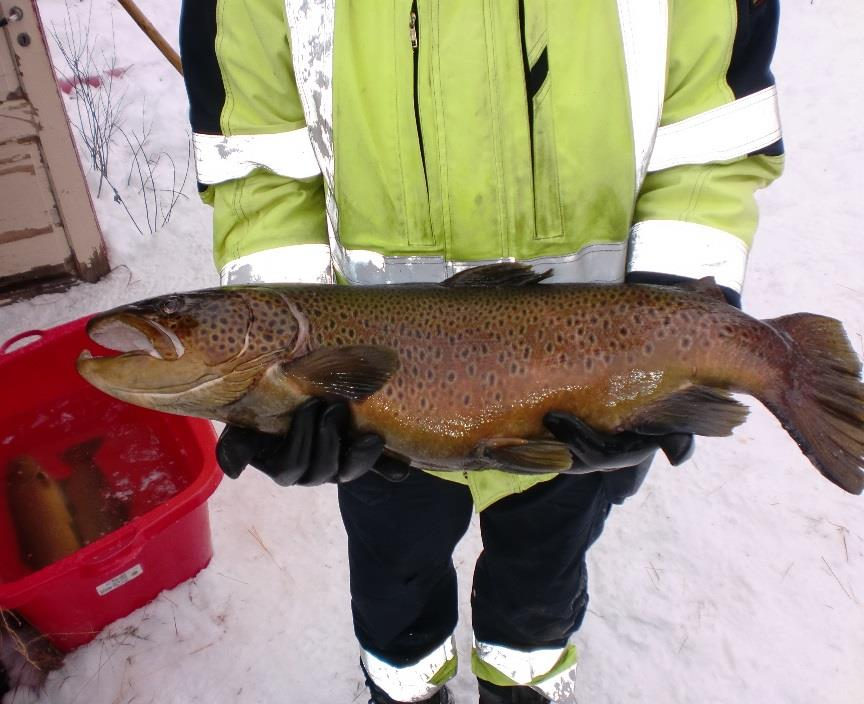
(530, 581)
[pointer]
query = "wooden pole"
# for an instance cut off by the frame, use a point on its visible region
(163, 46)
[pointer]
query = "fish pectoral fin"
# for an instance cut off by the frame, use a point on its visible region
(700, 410)
(501, 274)
(354, 372)
(528, 456)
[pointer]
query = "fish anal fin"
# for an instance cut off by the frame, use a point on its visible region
(353, 372)
(528, 456)
(495, 275)
(700, 410)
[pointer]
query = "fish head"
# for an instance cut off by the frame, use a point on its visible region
(189, 353)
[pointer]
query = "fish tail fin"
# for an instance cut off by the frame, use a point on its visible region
(822, 404)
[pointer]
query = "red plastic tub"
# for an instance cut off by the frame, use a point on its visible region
(160, 467)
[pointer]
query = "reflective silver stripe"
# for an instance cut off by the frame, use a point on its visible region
(644, 31)
(520, 666)
(688, 249)
(311, 28)
(413, 682)
(298, 264)
(729, 131)
(561, 688)
(595, 263)
(219, 158)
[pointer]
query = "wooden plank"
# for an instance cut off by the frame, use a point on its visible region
(30, 211)
(38, 251)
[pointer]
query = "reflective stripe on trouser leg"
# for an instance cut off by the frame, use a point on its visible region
(413, 683)
(551, 671)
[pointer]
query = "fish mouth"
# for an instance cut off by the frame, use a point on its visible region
(147, 368)
(134, 335)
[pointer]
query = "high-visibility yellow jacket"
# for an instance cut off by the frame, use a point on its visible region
(370, 142)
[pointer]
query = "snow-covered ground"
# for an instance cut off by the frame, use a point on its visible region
(738, 578)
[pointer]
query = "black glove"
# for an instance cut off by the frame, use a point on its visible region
(318, 448)
(596, 451)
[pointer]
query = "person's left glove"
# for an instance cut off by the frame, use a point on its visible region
(594, 451)
(318, 448)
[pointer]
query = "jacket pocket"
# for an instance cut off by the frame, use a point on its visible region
(548, 212)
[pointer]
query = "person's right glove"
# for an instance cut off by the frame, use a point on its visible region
(318, 448)
(595, 451)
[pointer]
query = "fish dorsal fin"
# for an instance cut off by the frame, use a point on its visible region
(495, 275)
(354, 372)
(700, 410)
(706, 286)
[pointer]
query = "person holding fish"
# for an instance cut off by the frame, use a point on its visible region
(405, 142)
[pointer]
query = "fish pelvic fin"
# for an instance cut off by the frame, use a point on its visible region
(526, 456)
(822, 406)
(353, 372)
(700, 410)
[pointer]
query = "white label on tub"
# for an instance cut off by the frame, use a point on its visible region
(120, 580)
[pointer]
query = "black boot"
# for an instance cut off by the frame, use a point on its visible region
(496, 694)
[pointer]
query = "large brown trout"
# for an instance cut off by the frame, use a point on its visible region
(459, 375)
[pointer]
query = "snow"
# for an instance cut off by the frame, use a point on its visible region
(736, 578)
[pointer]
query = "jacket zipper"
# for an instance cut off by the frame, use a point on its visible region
(414, 33)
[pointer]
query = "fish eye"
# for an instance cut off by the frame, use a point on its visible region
(170, 305)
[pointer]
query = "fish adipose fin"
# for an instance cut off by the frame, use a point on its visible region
(529, 456)
(699, 410)
(706, 286)
(822, 406)
(354, 372)
(494, 275)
